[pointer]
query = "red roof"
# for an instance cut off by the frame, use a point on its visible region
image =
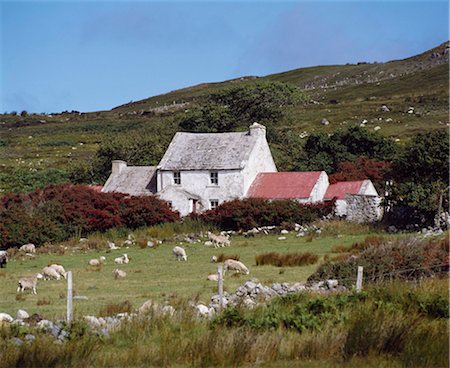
(283, 185)
(340, 189)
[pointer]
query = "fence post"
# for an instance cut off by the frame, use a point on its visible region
(69, 297)
(220, 282)
(359, 279)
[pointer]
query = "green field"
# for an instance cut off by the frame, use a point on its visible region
(154, 273)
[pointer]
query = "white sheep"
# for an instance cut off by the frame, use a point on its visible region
(60, 269)
(213, 277)
(218, 240)
(179, 253)
(97, 262)
(122, 260)
(112, 246)
(232, 264)
(119, 274)
(50, 273)
(29, 283)
(28, 248)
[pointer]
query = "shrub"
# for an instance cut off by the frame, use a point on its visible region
(244, 214)
(404, 259)
(223, 257)
(286, 259)
(61, 211)
(115, 308)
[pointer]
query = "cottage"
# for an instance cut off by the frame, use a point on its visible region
(305, 187)
(201, 170)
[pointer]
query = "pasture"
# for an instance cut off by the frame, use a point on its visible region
(154, 273)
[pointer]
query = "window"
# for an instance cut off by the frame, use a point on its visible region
(214, 177)
(214, 203)
(177, 177)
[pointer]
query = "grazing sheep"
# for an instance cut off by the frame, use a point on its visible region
(50, 273)
(179, 253)
(29, 283)
(218, 240)
(28, 248)
(231, 264)
(97, 262)
(112, 246)
(122, 260)
(3, 258)
(213, 277)
(119, 274)
(60, 269)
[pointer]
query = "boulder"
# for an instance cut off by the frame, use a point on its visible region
(384, 108)
(324, 122)
(21, 314)
(5, 317)
(284, 231)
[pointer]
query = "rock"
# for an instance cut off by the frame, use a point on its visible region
(30, 337)
(249, 285)
(384, 108)
(82, 240)
(331, 284)
(208, 243)
(391, 229)
(324, 122)
(55, 330)
(5, 317)
(284, 231)
(21, 314)
(214, 259)
(147, 307)
(45, 324)
(150, 244)
(282, 238)
(203, 310)
(410, 110)
(16, 341)
(377, 128)
(301, 234)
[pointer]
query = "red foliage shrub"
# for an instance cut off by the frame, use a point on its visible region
(286, 259)
(362, 168)
(251, 212)
(60, 211)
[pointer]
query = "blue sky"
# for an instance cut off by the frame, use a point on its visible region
(91, 56)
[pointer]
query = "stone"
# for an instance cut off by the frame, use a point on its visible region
(249, 285)
(331, 284)
(208, 243)
(16, 341)
(5, 317)
(301, 234)
(377, 128)
(213, 277)
(21, 314)
(45, 324)
(150, 244)
(202, 310)
(324, 122)
(384, 108)
(30, 337)
(284, 231)
(282, 238)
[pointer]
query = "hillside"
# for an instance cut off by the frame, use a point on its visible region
(346, 95)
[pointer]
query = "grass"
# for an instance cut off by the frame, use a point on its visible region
(287, 259)
(151, 273)
(366, 329)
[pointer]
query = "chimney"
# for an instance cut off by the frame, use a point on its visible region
(257, 130)
(118, 166)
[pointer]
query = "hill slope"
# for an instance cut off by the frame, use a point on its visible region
(346, 95)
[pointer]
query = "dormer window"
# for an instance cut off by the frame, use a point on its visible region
(214, 175)
(177, 177)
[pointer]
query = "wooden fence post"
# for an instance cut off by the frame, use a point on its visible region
(359, 279)
(69, 297)
(220, 282)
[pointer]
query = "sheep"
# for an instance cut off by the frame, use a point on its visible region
(29, 283)
(28, 248)
(179, 253)
(122, 260)
(231, 264)
(97, 262)
(218, 240)
(112, 246)
(50, 273)
(3, 258)
(213, 277)
(119, 274)
(60, 269)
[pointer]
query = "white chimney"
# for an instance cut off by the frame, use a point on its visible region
(257, 130)
(118, 166)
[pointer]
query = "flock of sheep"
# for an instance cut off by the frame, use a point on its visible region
(57, 271)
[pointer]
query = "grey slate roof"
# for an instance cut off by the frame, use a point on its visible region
(133, 180)
(208, 151)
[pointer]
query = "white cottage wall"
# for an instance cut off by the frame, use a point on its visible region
(197, 184)
(320, 188)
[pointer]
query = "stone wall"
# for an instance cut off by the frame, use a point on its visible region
(363, 208)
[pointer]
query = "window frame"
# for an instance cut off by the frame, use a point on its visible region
(214, 177)
(177, 177)
(213, 204)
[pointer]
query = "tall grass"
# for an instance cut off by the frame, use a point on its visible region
(286, 259)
